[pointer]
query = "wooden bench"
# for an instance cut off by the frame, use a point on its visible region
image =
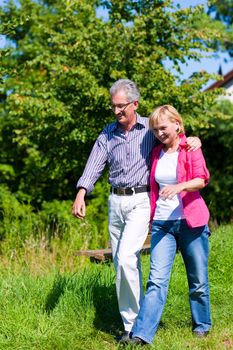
(98, 255)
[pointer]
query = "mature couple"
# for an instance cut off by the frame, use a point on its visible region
(155, 182)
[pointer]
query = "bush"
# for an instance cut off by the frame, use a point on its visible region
(21, 223)
(17, 219)
(218, 149)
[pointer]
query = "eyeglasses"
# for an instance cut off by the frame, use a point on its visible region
(120, 106)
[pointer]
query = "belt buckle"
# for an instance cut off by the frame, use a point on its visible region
(121, 191)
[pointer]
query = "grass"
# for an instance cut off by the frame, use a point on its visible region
(55, 301)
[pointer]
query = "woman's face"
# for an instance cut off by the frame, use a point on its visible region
(166, 130)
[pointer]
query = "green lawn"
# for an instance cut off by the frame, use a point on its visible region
(48, 307)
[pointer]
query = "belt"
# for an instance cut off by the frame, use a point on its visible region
(129, 191)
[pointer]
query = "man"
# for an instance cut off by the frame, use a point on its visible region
(124, 145)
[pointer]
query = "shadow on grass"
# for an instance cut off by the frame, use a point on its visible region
(92, 289)
(107, 317)
(55, 293)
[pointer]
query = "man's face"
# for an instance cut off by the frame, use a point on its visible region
(123, 109)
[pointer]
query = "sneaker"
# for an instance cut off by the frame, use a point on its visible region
(200, 334)
(136, 341)
(124, 337)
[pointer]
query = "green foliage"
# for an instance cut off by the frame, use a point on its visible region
(222, 10)
(17, 219)
(59, 66)
(218, 149)
(20, 224)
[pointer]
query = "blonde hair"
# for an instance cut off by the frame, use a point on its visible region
(170, 112)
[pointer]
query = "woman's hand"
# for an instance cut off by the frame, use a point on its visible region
(169, 191)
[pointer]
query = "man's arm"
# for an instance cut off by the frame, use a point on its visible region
(93, 169)
(95, 164)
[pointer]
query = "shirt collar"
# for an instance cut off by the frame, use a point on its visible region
(140, 122)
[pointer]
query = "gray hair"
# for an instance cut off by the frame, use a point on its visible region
(128, 86)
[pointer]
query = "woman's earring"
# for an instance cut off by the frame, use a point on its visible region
(178, 131)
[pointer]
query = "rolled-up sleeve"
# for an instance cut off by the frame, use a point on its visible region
(199, 168)
(95, 164)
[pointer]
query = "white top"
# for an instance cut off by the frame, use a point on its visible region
(166, 174)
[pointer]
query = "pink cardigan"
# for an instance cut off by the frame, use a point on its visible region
(190, 165)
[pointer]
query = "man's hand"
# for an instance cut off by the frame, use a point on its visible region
(79, 206)
(193, 143)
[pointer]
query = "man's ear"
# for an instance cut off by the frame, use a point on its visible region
(135, 103)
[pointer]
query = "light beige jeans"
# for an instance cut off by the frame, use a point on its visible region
(128, 228)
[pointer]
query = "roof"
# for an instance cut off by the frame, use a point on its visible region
(221, 83)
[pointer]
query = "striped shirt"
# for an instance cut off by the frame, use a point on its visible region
(126, 154)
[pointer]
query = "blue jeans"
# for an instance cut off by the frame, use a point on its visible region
(193, 244)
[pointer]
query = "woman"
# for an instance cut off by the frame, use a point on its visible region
(179, 221)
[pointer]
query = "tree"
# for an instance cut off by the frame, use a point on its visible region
(218, 144)
(222, 10)
(59, 66)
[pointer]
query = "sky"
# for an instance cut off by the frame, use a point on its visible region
(210, 65)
